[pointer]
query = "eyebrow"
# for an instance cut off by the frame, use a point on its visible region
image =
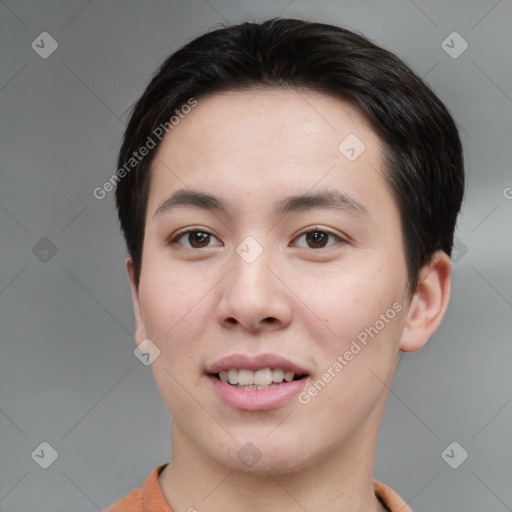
(331, 199)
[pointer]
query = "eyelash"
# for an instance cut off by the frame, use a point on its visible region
(174, 239)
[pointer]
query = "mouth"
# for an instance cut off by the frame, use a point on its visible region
(265, 378)
(256, 383)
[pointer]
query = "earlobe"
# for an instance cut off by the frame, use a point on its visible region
(140, 330)
(429, 303)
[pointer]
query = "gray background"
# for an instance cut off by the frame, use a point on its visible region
(68, 375)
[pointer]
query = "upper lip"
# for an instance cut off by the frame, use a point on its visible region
(243, 361)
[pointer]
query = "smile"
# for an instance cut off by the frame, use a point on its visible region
(265, 378)
(256, 383)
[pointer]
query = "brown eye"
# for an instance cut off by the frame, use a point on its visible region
(195, 239)
(318, 238)
(198, 239)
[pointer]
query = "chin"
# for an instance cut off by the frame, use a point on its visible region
(262, 456)
(269, 464)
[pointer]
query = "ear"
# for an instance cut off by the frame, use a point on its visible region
(429, 303)
(140, 329)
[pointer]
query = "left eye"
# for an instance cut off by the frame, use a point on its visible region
(317, 238)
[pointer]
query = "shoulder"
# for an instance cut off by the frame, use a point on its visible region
(389, 498)
(132, 502)
(148, 497)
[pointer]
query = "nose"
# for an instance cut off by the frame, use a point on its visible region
(253, 297)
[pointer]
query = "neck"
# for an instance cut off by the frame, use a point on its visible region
(339, 480)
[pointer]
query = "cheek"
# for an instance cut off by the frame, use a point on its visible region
(356, 361)
(174, 317)
(173, 310)
(349, 300)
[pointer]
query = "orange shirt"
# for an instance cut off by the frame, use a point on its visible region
(149, 497)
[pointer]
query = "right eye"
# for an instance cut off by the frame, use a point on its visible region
(197, 239)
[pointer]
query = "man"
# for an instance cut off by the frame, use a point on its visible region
(288, 192)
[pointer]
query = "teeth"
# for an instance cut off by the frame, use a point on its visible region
(263, 377)
(245, 377)
(260, 379)
(288, 376)
(277, 375)
(233, 376)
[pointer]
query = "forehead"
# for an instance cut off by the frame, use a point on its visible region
(262, 142)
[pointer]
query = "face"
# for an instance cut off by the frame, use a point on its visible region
(258, 277)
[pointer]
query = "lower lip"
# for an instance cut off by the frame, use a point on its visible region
(257, 399)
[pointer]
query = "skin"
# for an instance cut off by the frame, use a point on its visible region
(304, 302)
